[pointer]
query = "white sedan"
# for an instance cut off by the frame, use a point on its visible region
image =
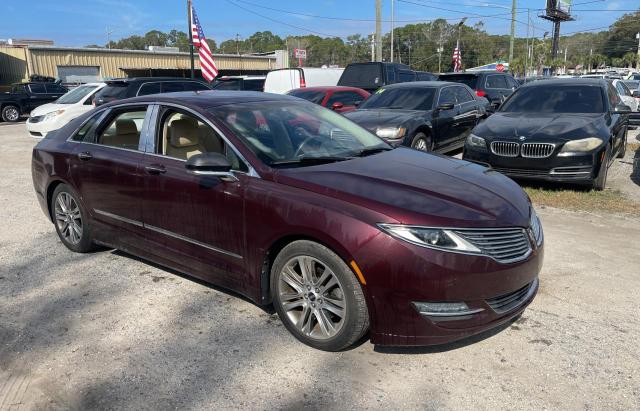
(626, 95)
(52, 116)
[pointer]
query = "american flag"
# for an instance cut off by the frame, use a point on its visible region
(207, 65)
(457, 58)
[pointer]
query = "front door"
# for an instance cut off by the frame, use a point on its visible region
(196, 221)
(444, 120)
(106, 170)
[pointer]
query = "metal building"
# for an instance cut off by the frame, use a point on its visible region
(80, 65)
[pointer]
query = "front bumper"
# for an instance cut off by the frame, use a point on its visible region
(634, 118)
(575, 168)
(399, 274)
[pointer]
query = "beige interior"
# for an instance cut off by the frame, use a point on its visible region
(186, 137)
(126, 135)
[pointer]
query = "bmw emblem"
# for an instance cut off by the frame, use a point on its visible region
(522, 138)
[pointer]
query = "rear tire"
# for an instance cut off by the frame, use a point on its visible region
(71, 220)
(317, 297)
(422, 142)
(11, 113)
(600, 182)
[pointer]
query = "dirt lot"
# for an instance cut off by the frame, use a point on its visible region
(108, 331)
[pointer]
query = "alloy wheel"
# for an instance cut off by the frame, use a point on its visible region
(421, 145)
(68, 218)
(312, 297)
(11, 113)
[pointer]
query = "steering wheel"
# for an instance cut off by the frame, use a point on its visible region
(307, 139)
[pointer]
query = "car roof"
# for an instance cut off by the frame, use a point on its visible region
(328, 88)
(139, 79)
(207, 98)
(422, 84)
(568, 82)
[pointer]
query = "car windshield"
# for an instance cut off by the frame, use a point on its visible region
(419, 98)
(296, 134)
(633, 84)
(555, 99)
(75, 95)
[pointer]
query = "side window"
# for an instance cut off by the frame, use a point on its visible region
(194, 86)
(37, 88)
(496, 81)
(391, 75)
(83, 134)
(447, 96)
(149, 88)
(55, 88)
(183, 135)
(405, 76)
(18, 89)
(123, 128)
(614, 98)
(254, 85)
(462, 95)
(172, 86)
(347, 98)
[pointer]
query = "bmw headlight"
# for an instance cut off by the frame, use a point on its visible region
(536, 227)
(441, 239)
(52, 114)
(476, 141)
(583, 145)
(391, 133)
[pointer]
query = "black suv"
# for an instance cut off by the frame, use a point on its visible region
(373, 75)
(141, 86)
(246, 83)
(24, 97)
(492, 85)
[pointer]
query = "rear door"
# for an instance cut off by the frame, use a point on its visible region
(106, 169)
(468, 113)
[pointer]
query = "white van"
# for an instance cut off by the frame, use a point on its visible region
(283, 80)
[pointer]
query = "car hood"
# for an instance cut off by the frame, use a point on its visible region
(48, 108)
(541, 127)
(412, 187)
(372, 119)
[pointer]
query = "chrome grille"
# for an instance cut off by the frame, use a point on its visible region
(505, 148)
(537, 150)
(506, 245)
(512, 300)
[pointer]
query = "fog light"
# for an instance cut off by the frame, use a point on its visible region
(445, 309)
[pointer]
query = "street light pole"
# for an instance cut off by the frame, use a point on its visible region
(392, 27)
(638, 59)
(513, 31)
(378, 30)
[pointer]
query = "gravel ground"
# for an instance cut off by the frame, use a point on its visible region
(109, 331)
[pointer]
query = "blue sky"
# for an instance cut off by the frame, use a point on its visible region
(78, 23)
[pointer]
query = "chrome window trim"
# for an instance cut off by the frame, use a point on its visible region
(251, 170)
(167, 233)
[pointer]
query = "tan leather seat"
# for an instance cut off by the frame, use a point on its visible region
(127, 135)
(184, 139)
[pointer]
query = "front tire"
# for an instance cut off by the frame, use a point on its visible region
(600, 182)
(71, 220)
(422, 142)
(11, 113)
(623, 149)
(317, 296)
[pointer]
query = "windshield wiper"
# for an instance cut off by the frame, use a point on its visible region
(372, 150)
(309, 160)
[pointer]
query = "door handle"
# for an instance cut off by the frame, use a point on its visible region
(155, 169)
(85, 156)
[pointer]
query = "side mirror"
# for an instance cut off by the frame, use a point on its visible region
(635, 93)
(445, 106)
(622, 109)
(211, 164)
(337, 105)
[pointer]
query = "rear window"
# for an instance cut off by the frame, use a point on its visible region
(401, 99)
(113, 91)
(555, 99)
(254, 85)
(194, 86)
(37, 88)
(227, 85)
(309, 95)
(362, 75)
(469, 80)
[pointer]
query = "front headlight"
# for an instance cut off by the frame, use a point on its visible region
(476, 141)
(391, 132)
(52, 114)
(437, 238)
(585, 144)
(536, 227)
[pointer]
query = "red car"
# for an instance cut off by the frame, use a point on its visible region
(337, 98)
(343, 234)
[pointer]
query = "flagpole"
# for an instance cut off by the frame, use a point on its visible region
(189, 17)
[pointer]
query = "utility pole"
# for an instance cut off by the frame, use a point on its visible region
(109, 32)
(392, 27)
(378, 30)
(526, 56)
(373, 47)
(638, 59)
(189, 17)
(237, 44)
(513, 31)
(564, 69)
(440, 50)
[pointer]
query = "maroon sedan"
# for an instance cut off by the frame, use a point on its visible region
(340, 232)
(338, 98)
